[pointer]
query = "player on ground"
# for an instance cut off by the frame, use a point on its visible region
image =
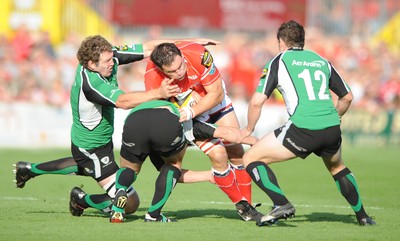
(145, 123)
(154, 127)
(305, 80)
(191, 67)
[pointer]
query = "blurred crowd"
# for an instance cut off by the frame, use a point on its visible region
(33, 70)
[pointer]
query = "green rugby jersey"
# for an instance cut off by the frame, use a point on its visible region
(93, 99)
(304, 79)
(156, 104)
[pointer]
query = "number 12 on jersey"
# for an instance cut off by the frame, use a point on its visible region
(320, 78)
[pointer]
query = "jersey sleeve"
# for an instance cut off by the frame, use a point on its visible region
(269, 78)
(201, 60)
(337, 84)
(211, 73)
(99, 91)
(128, 53)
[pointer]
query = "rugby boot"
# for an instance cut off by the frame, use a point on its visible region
(247, 212)
(22, 173)
(367, 221)
(277, 212)
(75, 195)
(117, 214)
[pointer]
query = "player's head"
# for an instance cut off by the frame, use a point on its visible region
(291, 34)
(95, 53)
(168, 58)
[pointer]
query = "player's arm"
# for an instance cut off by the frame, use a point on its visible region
(189, 176)
(254, 111)
(202, 41)
(342, 90)
(203, 130)
(215, 94)
(234, 135)
(132, 99)
(343, 104)
(267, 84)
(149, 46)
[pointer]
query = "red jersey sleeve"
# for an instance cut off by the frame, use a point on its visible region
(200, 60)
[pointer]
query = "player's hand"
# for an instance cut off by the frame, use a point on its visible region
(205, 41)
(244, 137)
(186, 114)
(249, 140)
(245, 132)
(167, 89)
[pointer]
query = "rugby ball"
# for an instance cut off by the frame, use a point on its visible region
(184, 99)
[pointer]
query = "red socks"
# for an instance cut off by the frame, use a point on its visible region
(227, 183)
(243, 181)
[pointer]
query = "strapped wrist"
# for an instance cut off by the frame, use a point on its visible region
(189, 112)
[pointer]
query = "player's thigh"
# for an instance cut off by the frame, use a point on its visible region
(268, 149)
(216, 153)
(157, 160)
(235, 151)
(175, 159)
(99, 163)
(334, 163)
(229, 119)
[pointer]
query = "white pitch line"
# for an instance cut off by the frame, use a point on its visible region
(28, 198)
(201, 202)
(19, 198)
(270, 204)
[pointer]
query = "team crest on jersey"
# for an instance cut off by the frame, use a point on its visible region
(213, 69)
(207, 60)
(264, 73)
(122, 47)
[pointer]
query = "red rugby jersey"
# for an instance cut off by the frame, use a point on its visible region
(201, 70)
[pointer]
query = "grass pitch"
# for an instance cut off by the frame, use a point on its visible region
(39, 211)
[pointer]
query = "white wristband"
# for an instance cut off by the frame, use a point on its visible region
(189, 112)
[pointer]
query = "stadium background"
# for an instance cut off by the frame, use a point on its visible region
(39, 40)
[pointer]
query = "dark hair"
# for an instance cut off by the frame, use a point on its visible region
(164, 54)
(91, 49)
(292, 33)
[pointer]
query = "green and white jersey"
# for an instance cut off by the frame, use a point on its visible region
(305, 79)
(93, 99)
(157, 104)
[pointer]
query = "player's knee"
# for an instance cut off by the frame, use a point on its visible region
(218, 155)
(219, 161)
